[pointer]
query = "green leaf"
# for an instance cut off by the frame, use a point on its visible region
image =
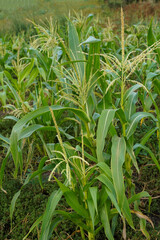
(3, 168)
(16, 131)
(91, 39)
(32, 77)
(94, 194)
(132, 155)
(12, 206)
(42, 73)
(105, 221)
(151, 38)
(75, 49)
(150, 153)
(103, 126)
(87, 155)
(157, 85)
(120, 114)
(126, 212)
(93, 64)
(130, 105)
(25, 73)
(3, 97)
(91, 209)
(145, 139)
(1, 79)
(40, 111)
(9, 84)
(130, 90)
(143, 229)
(54, 224)
(42, 59)
(112, 130)
(4, 139)
(15, 197)
(48, 214)
(72, 200)
(12, 118)
(109, 190)
(103, 196)
(27, 132)
(35, 224)
(75, 218)
(86, 142)
(40, 166)
(151, 75)
(118, 157)
(138, 196)
(105, 168)
(134, 121)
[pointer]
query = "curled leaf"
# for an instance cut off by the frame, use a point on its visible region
(141, 215)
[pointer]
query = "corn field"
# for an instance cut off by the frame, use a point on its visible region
(83, 100)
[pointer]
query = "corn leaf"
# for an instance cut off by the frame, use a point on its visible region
(105, 221)
(130, 90)
(91, 209)
(151, 38)
(143, 229)
(12, 206)
(109, 188)
(105, 168)
(35, 224)
(127, 212)
(3, 168)
(103, 126)
(16, 131)
(25, 73)
(48, 214)
(142, 216)
(75, 49)
(130, 106)
(117, 160)
(134, 121)
(75, 218)
(94, 194)
(138, 196)
(72, 200)
(150, 153)
(132, 155)
(4, 139)
(145, 139)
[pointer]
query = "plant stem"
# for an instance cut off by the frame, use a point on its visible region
(122, 100)
(91, 236)
(88, 222)
(91, 140)
(82, 233)
(122, 68)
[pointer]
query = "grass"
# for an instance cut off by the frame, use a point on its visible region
(14, 14)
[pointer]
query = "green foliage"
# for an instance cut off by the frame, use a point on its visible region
(79, 100)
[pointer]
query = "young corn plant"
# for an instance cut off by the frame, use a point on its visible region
(25, 74)
(94, 191)
(79, 80)
(122, 72)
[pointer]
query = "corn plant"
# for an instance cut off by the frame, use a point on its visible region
(99, 93)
